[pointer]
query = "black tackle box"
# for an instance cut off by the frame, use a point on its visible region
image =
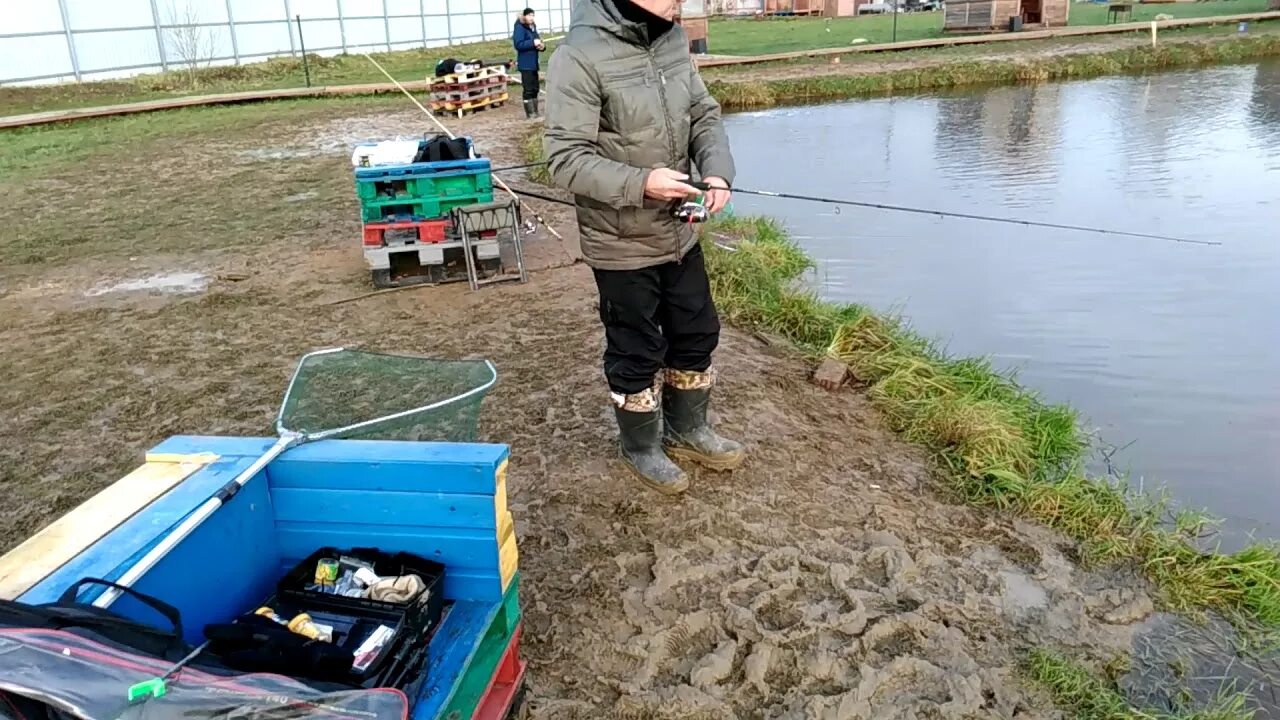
(353, 619)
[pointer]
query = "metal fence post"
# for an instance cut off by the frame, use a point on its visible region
(386, 24)
(231, 26)
(484, 30)
(422, 15)
(71, 40)
(306, 69)
(448, 22)
(155, 18)
(342, 28)
(288, 24)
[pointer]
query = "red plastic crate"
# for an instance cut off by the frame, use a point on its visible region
(497, 700)
(429, 231)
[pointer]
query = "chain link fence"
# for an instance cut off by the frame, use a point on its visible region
(44, 41)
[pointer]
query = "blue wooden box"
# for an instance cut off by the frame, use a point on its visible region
(443, 501)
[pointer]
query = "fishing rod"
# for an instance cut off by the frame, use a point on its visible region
(944, 213)
(704, 187)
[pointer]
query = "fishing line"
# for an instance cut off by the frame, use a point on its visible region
(918, 211)
(943, 213)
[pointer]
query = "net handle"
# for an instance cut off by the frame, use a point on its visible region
(321, 435)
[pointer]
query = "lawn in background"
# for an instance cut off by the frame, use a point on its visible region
(749, 36)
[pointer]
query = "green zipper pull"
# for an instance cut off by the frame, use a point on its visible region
(155, 687)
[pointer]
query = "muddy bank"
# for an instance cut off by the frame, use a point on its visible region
(830, 578)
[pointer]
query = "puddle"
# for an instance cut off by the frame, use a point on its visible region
(281, 153)
(1173, 657)
(337, 137)
(188, 282)
(1022, 594)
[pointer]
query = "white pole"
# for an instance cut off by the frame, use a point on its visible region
(231, 28)
(155, 17)
(1153, 33)
(71, 39)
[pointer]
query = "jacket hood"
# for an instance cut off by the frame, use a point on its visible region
(603, 14)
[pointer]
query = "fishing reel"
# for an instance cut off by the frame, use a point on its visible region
(690, 212)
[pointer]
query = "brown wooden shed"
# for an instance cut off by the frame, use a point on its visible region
(998, 15)
(841, 8)
(692, 16)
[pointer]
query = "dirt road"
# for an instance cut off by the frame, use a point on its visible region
(827, 579)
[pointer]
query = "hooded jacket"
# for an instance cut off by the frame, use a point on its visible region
(617, 107)
(523, 38)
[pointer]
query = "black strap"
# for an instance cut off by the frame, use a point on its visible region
(170, 613)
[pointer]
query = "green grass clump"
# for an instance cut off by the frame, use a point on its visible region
(1001, 445)
(531, 146)
(1079, 690)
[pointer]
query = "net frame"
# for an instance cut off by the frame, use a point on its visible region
(307, 436)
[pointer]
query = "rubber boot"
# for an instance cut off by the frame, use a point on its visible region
(530, 109)
(687, 434)
(640, 435)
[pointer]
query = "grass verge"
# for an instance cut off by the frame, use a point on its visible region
(736, 94)
(271, 74)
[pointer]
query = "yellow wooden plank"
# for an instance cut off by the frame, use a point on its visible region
(60, 542)
(198, 458)
(508, 561)
(506, 527)
(500, 495)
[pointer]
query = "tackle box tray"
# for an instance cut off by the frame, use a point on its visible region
(392, 665)
(422, 614)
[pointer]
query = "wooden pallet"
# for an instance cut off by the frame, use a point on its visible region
(469, 106)
(476, 83)
(472, 93)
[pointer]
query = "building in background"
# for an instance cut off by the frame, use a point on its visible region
(984, 16)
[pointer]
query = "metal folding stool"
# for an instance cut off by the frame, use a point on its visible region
(471, 220)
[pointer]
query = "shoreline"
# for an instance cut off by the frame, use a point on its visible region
(771, 89)
(997, 442)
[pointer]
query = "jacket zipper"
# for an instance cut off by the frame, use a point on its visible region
(671, 133)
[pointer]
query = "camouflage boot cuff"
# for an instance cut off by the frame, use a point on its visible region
(691, 379)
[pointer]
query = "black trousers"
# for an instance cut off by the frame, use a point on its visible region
(529, 81)
(654, 318)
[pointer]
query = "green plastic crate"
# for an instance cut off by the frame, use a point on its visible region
(423, 188)
(376, 210)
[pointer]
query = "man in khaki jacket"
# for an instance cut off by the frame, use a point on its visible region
(627, 116)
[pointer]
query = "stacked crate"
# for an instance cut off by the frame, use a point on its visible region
(405, 210)
(468, 91)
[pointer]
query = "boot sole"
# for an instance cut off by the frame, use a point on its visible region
(664, 488)
(721, 464)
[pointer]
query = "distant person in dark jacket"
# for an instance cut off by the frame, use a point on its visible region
(528, 44)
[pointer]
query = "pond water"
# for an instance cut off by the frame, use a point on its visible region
(1170, 352)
